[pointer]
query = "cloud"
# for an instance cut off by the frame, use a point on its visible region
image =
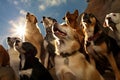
(23, 12)
(49, 3)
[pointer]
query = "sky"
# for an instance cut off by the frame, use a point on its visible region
(13, 12)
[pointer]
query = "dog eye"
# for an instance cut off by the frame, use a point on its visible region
(114, 15)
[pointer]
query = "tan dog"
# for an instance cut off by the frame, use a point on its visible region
(100, 45)
(33, 33)
(70, 63)
(6, 72)
(72, 19)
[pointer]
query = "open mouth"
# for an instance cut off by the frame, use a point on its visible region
(109, 23)
(58, 32)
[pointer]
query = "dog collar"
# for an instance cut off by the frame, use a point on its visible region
(67, 54)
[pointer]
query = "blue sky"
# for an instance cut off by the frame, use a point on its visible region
(12, 13)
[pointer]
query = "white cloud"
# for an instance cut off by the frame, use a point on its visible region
(48, 3)
(15, 2)
(23, 12)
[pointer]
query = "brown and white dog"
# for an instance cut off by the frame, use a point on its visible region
(72, 19)
(30, 67)
(6, 72)
(112, 20)
(14, 54)
(100, 45)
(32, 33)
(49, 42)
(70, 63)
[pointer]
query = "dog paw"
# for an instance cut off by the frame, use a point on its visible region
(27, 72)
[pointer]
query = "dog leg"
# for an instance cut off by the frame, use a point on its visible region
(46, 60)
(69, 76)
(114, 66)
(27, 72)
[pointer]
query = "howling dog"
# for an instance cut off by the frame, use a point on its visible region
(33, 34)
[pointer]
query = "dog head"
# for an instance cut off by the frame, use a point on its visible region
(111, 20)
(66, 38)
(31, 18)
(71, 18)
(91, 25)
(12, 40)
(25, 48)
(48, 21)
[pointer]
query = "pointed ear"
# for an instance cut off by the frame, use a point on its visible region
(76, 12)
(68, 13)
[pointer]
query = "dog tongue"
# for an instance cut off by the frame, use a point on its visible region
(60, 33)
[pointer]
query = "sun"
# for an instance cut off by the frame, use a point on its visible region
(18, 29)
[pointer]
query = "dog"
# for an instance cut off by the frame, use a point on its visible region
(4, 57)
(72, 19)
(6, 72)
(14, 54)
(70, 63)
(33, 34)
(30, 67)
(99, 44)
(112, 21)
(49, 42)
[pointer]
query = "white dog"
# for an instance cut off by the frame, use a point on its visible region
(112, 20)
(33, 34)
(14, 54)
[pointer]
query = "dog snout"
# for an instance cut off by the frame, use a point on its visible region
(8, 38)
(17, 41)
(109, 18)
(43, 17)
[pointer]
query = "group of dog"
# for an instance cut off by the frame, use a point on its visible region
(80, 48)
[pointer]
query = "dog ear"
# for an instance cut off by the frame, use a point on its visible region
(35, 21)
(76, 12)
(68, 13)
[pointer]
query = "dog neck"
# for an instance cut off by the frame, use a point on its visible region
(95, 36)
(67, 54)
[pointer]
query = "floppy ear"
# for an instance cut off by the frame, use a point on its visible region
(35, 21)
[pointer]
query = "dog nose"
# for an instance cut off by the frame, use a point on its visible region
(17, 41)
(43, 17)
(8, 38)
(109, 18)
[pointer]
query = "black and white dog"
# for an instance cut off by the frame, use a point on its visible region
(30, 67)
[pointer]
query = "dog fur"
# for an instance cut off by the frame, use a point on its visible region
(30, 67)
(14, 54)
(70, 63)
(4, 57)
(100, 44)
(72, 19)
(33, 34)
(6, 72)
(112, 20)
(49, 41)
